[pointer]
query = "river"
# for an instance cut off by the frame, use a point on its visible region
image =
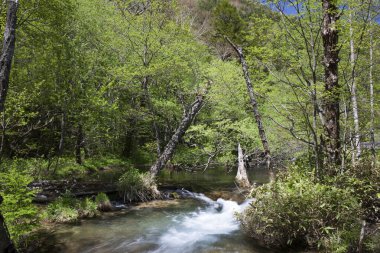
(197, 224)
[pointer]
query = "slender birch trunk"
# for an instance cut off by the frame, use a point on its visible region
(63, 134)
(357, 150)
(255, 106)
(344, 145)
(79, 144)
(372, 121)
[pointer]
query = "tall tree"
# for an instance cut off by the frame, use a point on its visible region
(330, 36)
(229, 24)
(354, 99)
(372, 108)
(254, 103)
(6, 245)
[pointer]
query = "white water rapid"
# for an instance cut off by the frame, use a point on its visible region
(202, 227)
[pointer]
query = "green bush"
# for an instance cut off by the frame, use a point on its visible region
(61, 214)
(103, 203)
(136, 186)
(87, 208)
(63, 209)
(20, 214)
(294, 210)
(68, 209)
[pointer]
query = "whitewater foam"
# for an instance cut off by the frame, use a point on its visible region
(201, 227)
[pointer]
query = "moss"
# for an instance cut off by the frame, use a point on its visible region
(175, 195)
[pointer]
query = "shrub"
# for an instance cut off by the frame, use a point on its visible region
(136, 186)
(294, 210)
(56, 212)
(87, 208)
(20, 214)
(63, 210)
(103, 203)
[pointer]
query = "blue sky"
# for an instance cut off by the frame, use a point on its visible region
(289, 10)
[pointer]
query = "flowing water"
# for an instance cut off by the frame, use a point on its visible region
(197, 224)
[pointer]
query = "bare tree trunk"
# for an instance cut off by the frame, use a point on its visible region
(6, 245)
(255, 107)
(241, 175)
(60, 145)
(158, 138)
(372, 131)
(357, 151)
(63, 134)
(332, 90)
(3, 133)
(79, 144)
(187, 118)
(361, 236)
(344, 146)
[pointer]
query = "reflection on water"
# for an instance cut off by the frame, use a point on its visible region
(217, 178)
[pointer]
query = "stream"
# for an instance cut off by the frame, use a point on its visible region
(195, 224)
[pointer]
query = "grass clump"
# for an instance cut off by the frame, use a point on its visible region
(67, 209)
(295, 210)
(87, 208)
(103, 202)
(136, 186)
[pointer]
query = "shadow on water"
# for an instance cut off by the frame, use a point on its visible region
(213, 179)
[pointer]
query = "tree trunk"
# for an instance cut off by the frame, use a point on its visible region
(357, 151)
(372, 131)
(60, 145)
(241, 175)
(344, 137)
(8, 50)
(187, 118)
(63, 134)
(158, 138)
(6, 245)
(332, 90)
(79, 143)
(361, 236)
(255, 107)
(3, 133)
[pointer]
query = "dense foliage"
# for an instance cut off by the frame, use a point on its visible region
(294, 210)
(21, 215)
